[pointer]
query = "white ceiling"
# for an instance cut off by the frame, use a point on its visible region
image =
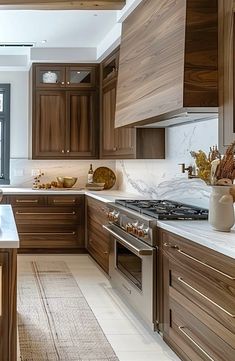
(88, 36)
(59, 28)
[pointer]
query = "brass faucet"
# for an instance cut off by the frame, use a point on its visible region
(189, 169)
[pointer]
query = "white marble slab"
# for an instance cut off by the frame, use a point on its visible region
(104, 196)
(202, 233)
(8, 232)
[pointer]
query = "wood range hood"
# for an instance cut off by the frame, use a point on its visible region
(168, 71)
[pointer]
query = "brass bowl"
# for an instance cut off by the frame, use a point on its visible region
(67, 182)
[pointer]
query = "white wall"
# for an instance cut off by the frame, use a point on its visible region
(19, 111)
(163, 178)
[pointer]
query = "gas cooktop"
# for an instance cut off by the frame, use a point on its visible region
(164, 209)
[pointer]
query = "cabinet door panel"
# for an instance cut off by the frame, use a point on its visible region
(50, 128)
(80, 77)
(4, 309)
(82, 127)
(50, 76)
(116, 143)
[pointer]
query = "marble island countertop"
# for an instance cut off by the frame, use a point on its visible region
(8, 232)
(202, 233)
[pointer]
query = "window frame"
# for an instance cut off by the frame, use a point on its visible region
(5, 141)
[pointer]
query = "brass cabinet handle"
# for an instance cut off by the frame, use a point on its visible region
(62, 151)
(46, 213)
(198, 261)
(1, 291)
(62, 83)
(68, 151)
(114, 149)
(181, 329)
(206, 265)
(68, 82)
(205, 297)
(27, 201)
(47, 233)
(106, 252)
(64, 201)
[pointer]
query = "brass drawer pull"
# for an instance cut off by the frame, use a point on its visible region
(205, 297)
(181, 329)
(46, 233)
(64, 201)
(1, 292)
(46, 213)
(206, 265)
(27, 201)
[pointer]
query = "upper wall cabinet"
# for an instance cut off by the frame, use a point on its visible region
(58, 76)
(65, 111)
(168, 61)
(226, 73)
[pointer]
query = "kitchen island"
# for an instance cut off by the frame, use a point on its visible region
(9, 242)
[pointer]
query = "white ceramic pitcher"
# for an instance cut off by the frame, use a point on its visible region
(221, 210)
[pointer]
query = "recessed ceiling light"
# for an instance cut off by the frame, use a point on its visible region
(44, 41)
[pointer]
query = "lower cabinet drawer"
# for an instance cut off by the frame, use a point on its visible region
(99, 249)
(215, 298)
(51, 237)
(47, 215)
(193, 339)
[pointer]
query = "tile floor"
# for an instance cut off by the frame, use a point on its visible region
(129, 338)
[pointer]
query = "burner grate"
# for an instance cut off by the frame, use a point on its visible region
(165, 209)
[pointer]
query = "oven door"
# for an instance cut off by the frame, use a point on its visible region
(132, 268)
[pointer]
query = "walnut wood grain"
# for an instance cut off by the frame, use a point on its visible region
(226, 73)
(8, 326)
(53, 222)
(150, 79)
(97, 238)
(163, 68)
(201, 54)
(50, 124)
(198, 300)
(63, 5)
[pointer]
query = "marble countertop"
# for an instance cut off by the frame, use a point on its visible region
(201, 232)
(8, 232)
(196, 231)
(104, 196)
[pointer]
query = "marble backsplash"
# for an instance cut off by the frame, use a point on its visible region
(21, 170)
(163, 178)
(149, 178)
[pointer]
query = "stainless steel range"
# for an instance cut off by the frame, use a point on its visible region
(133, 255)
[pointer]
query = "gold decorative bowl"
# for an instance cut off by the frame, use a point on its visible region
(67, 182)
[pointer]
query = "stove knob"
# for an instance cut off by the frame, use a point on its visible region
(115, 216)
(129, 228)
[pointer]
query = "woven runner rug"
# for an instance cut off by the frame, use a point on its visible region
(54, 319)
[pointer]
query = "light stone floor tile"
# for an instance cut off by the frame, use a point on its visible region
(129, 337)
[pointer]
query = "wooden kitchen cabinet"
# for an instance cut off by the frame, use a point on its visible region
(8, 326)
(49, 222)
(115, 143)
(97, 238)
(65, 120)
(226, 73)
(123, 143)
(68, 75)
(198, 300)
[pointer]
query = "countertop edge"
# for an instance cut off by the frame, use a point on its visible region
(199, 239)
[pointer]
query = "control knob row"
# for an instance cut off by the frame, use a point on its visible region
(136, 229)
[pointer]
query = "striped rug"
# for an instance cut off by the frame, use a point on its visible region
(54, 319)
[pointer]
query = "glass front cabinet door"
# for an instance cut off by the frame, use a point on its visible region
(77, 77)
(50, 76)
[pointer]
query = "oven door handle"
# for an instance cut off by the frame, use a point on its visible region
(139, 251)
